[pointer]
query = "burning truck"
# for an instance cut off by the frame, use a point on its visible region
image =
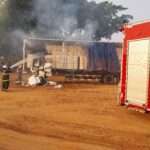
(76, 60)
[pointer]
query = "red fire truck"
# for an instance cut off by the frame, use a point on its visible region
(135, 74)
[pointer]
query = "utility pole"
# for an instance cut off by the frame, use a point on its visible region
(24, 54)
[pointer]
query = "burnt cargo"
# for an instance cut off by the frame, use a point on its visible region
(83, 60)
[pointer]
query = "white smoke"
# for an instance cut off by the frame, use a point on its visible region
(16, 37)
(56, 19)
(85, 34)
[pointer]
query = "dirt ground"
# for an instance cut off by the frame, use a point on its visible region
(76, 117)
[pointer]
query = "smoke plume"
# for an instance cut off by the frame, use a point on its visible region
(59, 19)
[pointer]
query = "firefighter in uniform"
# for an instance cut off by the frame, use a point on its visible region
(5, 78)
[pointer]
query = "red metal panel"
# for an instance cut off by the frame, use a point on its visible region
(148, 101)
(132, 32)
(137, 107)
(123, 74)
(138, 31)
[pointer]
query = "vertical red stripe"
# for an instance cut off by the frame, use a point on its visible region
(123, 73)
(148, 101)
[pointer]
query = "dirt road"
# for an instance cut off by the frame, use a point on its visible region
(77, 117)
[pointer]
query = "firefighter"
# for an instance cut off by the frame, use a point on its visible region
(42, 76)
(48, 69)
(5, 78)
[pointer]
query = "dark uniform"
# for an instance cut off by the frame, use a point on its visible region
(5, 79)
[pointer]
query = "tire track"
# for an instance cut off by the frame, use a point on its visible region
(82, 133)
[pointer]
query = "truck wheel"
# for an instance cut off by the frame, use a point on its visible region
(108, 79)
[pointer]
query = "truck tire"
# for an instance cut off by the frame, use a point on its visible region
(108, 79)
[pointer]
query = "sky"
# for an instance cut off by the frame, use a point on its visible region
(139, 9)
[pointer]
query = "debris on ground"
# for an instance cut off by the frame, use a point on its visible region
(52, 83)
(33, 80)
(59, 86)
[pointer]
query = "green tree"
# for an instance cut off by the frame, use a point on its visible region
(107, 15)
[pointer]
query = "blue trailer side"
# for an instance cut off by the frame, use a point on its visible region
(103, 64)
